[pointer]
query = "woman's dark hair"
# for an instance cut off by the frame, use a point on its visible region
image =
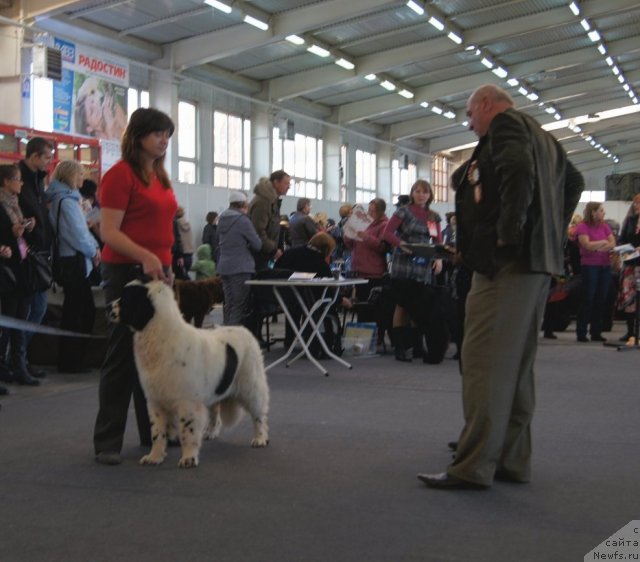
(211, 216)
(143, 122)
(424, 184)
(8, 172)
(89, 189)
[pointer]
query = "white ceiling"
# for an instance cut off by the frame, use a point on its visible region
(539, 42)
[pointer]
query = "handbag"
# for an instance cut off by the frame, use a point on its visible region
(38, 268)
(67, 270)
(8, 282)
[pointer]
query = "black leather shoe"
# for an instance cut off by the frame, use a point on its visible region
(37, 373)
(550, 336)
(504, 476)
(582, 339)
(445, 481)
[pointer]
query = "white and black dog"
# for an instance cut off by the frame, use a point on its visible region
(194, 380)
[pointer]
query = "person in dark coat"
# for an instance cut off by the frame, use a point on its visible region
(34, 169)
(525, 190)
(209, 230)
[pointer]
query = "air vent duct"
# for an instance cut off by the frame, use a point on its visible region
(47, 62)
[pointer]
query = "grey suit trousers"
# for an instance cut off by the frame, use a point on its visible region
(504, 315)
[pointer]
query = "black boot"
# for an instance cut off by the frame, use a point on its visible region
(23, 377)
(403, 343)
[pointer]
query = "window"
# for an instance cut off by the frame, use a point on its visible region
(402, 178)
(343, 173)
(231, 151)
(596, 196)
(136, 99)
(440, 172)
(365, 176)
(187, 139)
(302, 159)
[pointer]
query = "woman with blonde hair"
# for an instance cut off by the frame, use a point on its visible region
(596, 241)
(78, 253)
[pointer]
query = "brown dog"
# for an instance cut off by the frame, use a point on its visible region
(196, 298)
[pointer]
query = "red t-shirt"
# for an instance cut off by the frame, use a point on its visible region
(148, 212)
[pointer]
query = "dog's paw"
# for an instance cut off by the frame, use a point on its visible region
(152, 459)
(188, 462)
(259, 442)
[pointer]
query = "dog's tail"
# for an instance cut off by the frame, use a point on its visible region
(230, 412)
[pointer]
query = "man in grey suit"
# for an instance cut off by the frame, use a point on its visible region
(522, 192)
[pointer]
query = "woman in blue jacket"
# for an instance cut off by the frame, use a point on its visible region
(74, 240)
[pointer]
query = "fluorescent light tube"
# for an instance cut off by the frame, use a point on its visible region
(500, 72)
(255, 22)
(454, 37)
(319, 51)
(295, 39)
(435, 22)
(218, 6)
(344, 63)
(417, 8)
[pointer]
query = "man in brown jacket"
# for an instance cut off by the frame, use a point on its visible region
(264, 212)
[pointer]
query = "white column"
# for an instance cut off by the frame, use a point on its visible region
(350, 165)
(163, 95)
(331, 144)
(424, 165)
(10, 77)
(205, 133)
(261, 147)
(384, 158)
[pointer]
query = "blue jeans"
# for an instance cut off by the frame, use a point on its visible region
(36, 313)
(595, 286)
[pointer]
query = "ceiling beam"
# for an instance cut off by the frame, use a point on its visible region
(30, 10)
(101, 37)
(232, 40)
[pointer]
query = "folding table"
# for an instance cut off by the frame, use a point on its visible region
(330, 291)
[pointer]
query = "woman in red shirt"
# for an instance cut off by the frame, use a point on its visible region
(136, 226)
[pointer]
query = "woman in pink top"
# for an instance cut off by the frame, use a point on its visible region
(368, 250)
(596, 241)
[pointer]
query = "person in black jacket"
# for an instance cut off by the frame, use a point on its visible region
(34, 169)
(523, 191)
(15, 226)
(630, 274)
(209, 230)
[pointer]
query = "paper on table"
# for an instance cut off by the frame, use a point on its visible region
(358, 222)
(301, 275)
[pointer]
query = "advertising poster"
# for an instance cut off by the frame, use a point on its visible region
(91, 98)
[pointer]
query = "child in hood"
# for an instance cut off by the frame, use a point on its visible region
(204, 266)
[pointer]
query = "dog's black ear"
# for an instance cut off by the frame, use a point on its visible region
(136, 308)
